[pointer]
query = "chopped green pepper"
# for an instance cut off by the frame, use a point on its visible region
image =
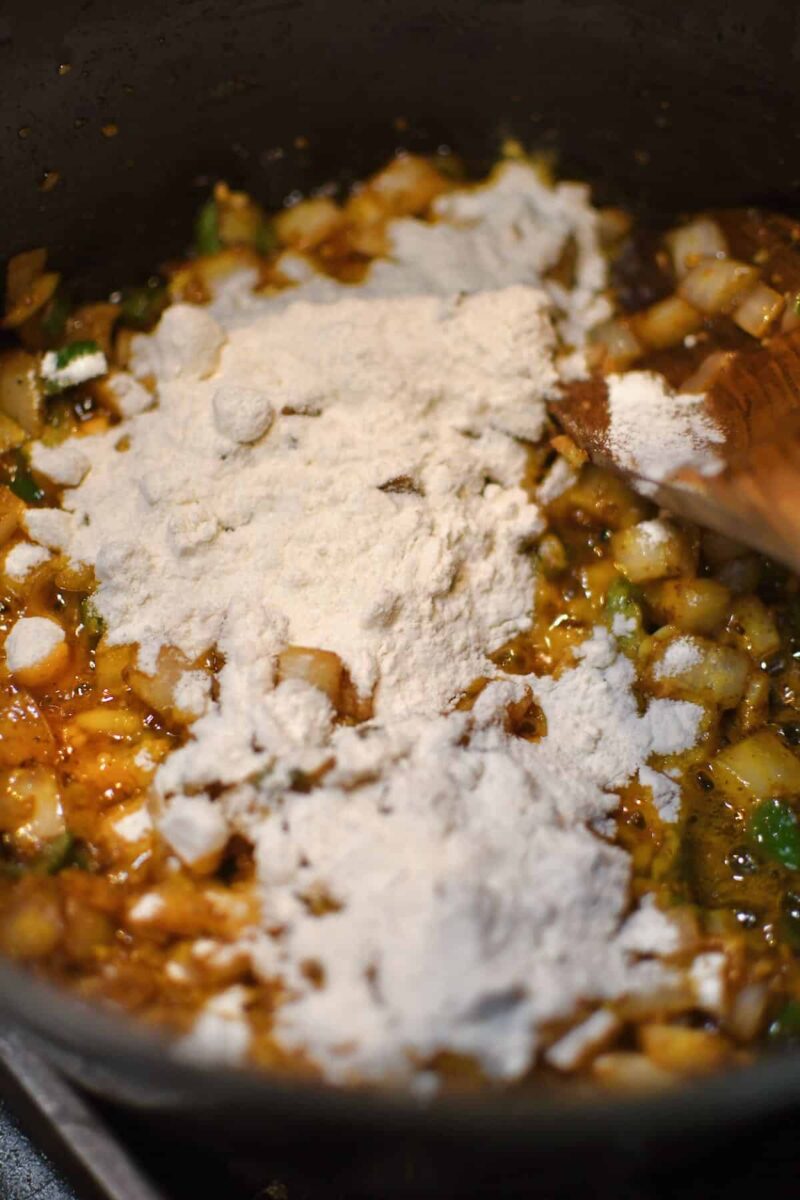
(622, 614)
(786, 1026)
(206, 229)
(92, 623)
(54, 318)
(266, 239)
(775, 831)
(142, 306)
(23, 483)
(56, 855)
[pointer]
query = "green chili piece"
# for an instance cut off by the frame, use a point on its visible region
(68, 354)
(23, 483)
(92, 623)
(774, 829)
(786, 1026)
(56, 855)
(140, 307)
(54, 318)
(266, 239)
(623, 599)
(206, 229)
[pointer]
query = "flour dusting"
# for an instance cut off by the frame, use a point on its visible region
(340, 468)
(655, 432)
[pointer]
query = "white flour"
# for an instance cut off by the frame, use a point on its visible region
(654, 432)
(338, 468)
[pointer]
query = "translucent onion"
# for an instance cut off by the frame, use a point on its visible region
(20, 394)
(717, 285)
(321, 668)
(685, 1051)
(651, 550)
(691, 243)
(761, 767)
(614, 346)
(667, 323)
(309, 223)
(407, 185)
(759, 310)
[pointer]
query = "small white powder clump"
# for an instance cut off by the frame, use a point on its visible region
(134, 825)
(22, 559)
(127, 395)
(221, 1034)
(680, 655)
(656, 532)
(65, 464)
(31, 641)
(622, 626)
(654, 431)
(593, 716)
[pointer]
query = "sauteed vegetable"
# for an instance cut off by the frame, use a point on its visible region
(702, 618)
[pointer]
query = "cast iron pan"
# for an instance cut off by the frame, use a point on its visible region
(661, 106)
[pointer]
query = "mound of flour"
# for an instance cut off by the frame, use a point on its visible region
(340, 468)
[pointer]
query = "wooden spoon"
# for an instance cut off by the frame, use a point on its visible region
(754, 399)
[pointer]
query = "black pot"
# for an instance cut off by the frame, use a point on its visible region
(662, 107)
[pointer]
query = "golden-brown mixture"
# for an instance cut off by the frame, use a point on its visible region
(82, 733)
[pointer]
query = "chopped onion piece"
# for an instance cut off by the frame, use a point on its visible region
(717, 285)
(321, 668)
(20, 394)
(614, 346)
(667, 323)
(691, 243)
(760, 308)
(307, 224)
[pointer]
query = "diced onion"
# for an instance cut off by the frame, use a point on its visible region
(407, 185)
(614, 345)
(759, 309)
(692, 605)
(711, 674)
(651, 550)
(667, 323)
(686, 1051)
(309, 223)
(759, 768)
(321, 668)
(20, 394)
(691, 243)
(753, 628)
(717, 285)
(630, 1072)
